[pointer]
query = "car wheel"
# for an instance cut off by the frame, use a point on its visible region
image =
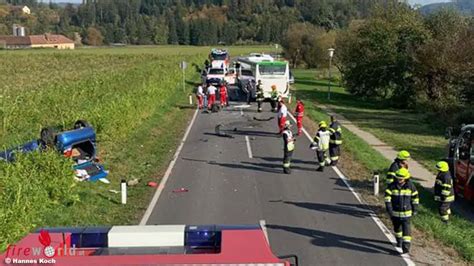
(81, 123)
(48, 136)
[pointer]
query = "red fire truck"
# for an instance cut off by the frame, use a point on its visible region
(147, 245)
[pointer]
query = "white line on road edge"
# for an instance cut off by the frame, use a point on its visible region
(263, 225)
(163, 181)
(380, 224)
(249, 149)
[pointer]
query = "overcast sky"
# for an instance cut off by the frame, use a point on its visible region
(422, 2)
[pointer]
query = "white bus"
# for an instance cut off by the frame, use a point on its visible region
(270, 73)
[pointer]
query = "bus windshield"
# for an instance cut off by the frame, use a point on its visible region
(272, 69)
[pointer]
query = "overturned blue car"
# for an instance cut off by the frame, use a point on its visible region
(79, 144)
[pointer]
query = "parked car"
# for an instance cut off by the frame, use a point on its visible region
(461, 160)
(79, 144)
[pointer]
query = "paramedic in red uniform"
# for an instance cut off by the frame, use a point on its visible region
(282, 113)
(299, 112)
(211, 92)
(223, 95)
(200, 96)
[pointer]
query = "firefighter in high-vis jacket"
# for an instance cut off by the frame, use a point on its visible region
(443, 190)
(274, 98)
(335, 141)
(288, 147)
(400, 162)
(401, 201)
(260, 95)
(321, 145)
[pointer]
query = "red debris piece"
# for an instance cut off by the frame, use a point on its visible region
(180, 190)
(152, 184)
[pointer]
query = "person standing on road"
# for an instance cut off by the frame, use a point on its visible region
(400, 162)
(282, 114)
(211, 95)
(274, 98)
(336, 141)
(321, 145)
(248, 88)
(200, 96)
(299, 112)
(260, 96)
(443, 191)
(401, 202)
(288, 147)
(223, 95)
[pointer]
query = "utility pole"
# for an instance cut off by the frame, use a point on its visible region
(331, 54)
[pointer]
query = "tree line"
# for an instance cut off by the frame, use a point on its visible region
(194, 22)
(409, 60)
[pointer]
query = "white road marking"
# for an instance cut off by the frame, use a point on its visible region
(242, 106)
(263, 225)
(249, 149)
(375, 218)
(157, 194)
(241, 111)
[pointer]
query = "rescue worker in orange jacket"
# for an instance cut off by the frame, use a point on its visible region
(299, 112)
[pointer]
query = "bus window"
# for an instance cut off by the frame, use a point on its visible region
(272, 69)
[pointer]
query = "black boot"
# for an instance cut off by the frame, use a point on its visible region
(406, 247)
(399, 242)
(287, 170)
(320, 169)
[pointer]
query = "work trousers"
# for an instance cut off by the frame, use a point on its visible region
(299, 124)
(334, 153)
(322, 157)
(223, 99)
(281, 123)
(444, 209)
(287, 161)
(402, 229)
(211, 100)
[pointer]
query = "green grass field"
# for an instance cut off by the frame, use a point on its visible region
(133, 97)
(398, 128)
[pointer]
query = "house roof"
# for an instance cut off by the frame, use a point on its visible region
(35, 39)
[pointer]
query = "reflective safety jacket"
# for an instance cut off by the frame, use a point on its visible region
(288, 140)
(395, 166)
(322, 139)
(443, 189)
(401, 200)
(275, 95)
(336, 137)
(260, 95)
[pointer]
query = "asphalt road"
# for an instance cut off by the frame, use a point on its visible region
(308, 213)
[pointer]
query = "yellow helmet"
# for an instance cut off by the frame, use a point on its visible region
(442, 166)
(402, 173)
(403, 155)
(323, 124)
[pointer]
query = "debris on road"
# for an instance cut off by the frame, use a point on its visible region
(180, 190)
(263, 119)
(220, 133)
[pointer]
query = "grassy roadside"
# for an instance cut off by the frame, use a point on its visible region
(460, 233)
(413, 131)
